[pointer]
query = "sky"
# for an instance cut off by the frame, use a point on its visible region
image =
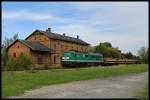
(123, 24)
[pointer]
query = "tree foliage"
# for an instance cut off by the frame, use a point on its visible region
(6, 43)
(128, 55)
(107, 50)
(91, 49)
(4, 57)
(21, 63)
(143, 54)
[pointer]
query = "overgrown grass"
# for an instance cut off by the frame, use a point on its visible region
(143, 94)
(18, 82)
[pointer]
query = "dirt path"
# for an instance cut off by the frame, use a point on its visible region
(113, 87)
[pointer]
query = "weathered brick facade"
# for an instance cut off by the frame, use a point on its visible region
(17, 48)
(58, 44)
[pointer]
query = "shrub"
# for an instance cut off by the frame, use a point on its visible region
(22, 63)
(25, 61)
(12, 64)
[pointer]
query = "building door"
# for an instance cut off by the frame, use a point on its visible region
(39, 58)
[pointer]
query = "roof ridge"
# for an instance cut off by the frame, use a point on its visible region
(68, 38)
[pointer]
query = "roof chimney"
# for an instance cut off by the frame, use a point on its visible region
(64, 34)
(48, 30)
(77, 36)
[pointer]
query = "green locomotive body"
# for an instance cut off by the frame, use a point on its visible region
(71, 58)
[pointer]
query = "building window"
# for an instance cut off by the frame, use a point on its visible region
(14, 54)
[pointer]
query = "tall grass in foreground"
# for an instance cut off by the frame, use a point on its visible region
(18, 82)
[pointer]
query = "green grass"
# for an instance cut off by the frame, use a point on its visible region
(143, 94)
(20, 81)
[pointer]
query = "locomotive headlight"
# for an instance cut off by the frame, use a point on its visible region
(65, 58)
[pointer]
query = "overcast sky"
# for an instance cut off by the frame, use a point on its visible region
(124, 24)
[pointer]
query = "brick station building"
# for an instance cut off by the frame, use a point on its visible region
(46, 47)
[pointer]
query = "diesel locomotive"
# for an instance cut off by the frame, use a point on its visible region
(76, 59)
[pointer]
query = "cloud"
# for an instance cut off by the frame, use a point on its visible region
(28, 15)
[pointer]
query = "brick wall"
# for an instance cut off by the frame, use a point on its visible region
(17, 49)
(40, 38)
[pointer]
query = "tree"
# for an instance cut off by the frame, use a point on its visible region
(4, 56)
(107, 50)
(129, 55)
(6, 43)
(107, 44)
(115, 53)
(91, 49)
(143, 54)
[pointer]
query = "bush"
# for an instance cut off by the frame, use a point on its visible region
(25, 61)
(22, 63)
(12, 64)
